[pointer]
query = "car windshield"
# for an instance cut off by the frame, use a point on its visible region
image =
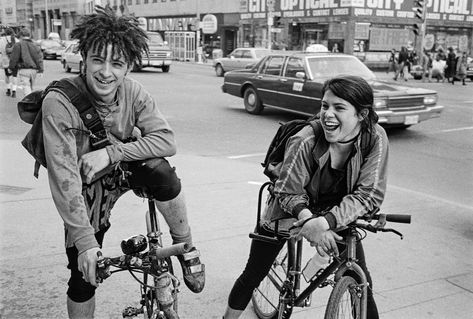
(261, 53)
(155, 39)
(50, 44)
(330, 66)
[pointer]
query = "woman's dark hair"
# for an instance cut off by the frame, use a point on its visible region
(357, 92)
(97, 30)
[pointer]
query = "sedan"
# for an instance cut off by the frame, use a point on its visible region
(51, 49)
(293, 81)
(469, 69)
(72, 59)
(239, 59)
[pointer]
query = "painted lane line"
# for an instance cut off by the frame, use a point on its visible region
(457, 129)
(246, 155)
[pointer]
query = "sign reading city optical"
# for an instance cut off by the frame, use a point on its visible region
(450, 10)
(209, 24)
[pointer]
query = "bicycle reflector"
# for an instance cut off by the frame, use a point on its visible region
(134, 245)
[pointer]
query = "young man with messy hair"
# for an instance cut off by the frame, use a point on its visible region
(110, 45)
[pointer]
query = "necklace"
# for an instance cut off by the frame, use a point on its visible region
(350, 140)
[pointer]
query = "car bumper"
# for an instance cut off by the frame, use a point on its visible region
(158, 63)
(409, 117)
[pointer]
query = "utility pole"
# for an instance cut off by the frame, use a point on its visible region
(270, 5)
(197, 34)
(47, 17)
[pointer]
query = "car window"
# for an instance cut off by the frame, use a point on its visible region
(273, 65)
(237, 53)
(246, 54)
(330, 66)
(261, 53)
(294, 65)
(75, 48)
(155, 39)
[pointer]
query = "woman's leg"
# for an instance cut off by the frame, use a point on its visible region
(257, 267)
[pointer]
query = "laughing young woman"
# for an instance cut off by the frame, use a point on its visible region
(328, 176)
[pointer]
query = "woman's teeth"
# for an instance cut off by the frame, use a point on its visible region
(331, 126)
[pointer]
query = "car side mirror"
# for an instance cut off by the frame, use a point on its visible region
(231, 56)
(300, 75)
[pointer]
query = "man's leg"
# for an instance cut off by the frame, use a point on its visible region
(174, 212)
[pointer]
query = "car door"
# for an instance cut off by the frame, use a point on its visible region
(268, 79)
(233, 60)
(297, 93)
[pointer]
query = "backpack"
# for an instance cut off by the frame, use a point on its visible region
(275, 154)
(277, 147)
(9, 48)
(29, 109)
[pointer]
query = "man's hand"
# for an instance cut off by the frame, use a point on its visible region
(317, 232)
(93, 162)
(87, 263)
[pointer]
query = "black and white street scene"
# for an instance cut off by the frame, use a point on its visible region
(253, 159)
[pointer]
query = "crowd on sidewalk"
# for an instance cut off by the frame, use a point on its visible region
(433, 65)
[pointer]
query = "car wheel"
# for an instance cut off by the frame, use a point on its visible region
(219, 70)
(252, 101)
(166, 68)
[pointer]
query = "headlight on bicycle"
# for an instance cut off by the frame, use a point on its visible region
(134, 245)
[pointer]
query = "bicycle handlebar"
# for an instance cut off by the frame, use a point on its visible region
(394, 218)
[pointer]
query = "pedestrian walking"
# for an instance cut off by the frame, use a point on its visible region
(426, 63)
(392, 62)
(83, 195)
(26, 61)
(7, 42)
(402, 64)
(462, 65)
(451, 65)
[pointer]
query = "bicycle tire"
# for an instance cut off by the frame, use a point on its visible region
(265, 298)
(344, 301)
(152, 304)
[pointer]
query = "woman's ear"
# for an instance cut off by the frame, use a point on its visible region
(363, 114)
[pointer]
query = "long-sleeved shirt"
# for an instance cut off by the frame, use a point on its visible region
(298, 184)
(84, 209)
(26, 55)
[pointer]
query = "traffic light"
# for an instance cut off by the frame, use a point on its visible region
(416, 28)
(277, 21)
(419, 8)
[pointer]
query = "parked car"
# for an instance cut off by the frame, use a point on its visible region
(239, 59)
(159, 56)
(71, 58)
(417, 70)
(469, 69)
(51, 49)
(293, 81)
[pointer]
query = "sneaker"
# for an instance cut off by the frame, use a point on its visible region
(192, 270)
(13, 94)
(8, 92)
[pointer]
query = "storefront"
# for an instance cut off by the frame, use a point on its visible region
(366, 28)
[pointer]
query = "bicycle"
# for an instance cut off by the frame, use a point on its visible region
(279, 292)
(159, 286)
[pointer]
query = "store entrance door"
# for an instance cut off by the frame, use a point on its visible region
(311, 36)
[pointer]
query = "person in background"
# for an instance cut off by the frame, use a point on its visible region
(426, 63)
(27, 61)
(335, 48)
(402, 64)
(461, 68)
(438, 68)
(7, 42)
(325, 183)
(451, 65)
(392, 62)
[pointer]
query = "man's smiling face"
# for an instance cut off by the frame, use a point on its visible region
(105, 73)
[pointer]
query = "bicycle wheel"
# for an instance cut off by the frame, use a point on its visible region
(151, 303)
(344, 301)
(265, 298)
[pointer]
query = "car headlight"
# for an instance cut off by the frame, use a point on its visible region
(168, 54)
(379, 103)
(430, 99)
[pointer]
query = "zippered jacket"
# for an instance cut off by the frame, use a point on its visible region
(298, 184)
(26, 55)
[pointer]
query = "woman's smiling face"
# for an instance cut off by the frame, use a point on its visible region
(105, 73)
(340, 120)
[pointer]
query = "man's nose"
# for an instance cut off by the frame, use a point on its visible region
(106, 68)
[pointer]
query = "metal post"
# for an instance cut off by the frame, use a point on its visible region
(424, 26)
(270, 6)
(47, 17)
(197, 33)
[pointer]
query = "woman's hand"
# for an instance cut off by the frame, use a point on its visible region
(317, 232)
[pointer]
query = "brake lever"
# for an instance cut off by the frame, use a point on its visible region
(392, 231)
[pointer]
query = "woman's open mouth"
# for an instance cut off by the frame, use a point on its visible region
(330, 126)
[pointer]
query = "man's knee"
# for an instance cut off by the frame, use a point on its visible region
(154, 178)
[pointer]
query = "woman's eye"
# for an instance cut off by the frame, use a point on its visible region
(324, 106)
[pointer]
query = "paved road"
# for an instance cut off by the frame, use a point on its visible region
(426, 275)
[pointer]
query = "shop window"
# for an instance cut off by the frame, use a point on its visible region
(294, 65)
(273, 65)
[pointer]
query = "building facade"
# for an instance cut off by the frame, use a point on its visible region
(16, 13)
(366, 28)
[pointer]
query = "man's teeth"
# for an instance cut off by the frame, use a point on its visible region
(104, 82)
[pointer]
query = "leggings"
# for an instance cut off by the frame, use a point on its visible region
(261, 258)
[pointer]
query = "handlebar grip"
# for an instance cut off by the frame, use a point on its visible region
(173, 250)
(398, 218)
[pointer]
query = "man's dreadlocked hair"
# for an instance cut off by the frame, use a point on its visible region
(97, 30)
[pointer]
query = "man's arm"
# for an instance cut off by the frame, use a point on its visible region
(15, 56)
